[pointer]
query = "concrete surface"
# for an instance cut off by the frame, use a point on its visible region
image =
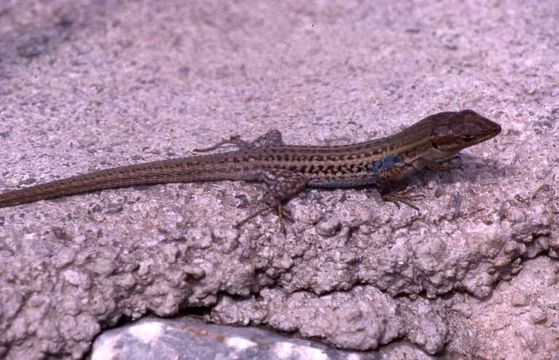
(92, 84)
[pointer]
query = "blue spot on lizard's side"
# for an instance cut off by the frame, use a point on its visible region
(387, 163)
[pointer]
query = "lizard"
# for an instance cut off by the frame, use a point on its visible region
(290, 169)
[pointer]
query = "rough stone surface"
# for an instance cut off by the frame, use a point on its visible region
(91, 84)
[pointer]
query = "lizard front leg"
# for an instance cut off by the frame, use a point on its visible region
(391, 171)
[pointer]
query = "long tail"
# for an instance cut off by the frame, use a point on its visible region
(192, 169)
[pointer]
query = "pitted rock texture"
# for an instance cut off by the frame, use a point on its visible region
(93, 84)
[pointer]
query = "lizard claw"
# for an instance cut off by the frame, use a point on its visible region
(283, 214)
(405, 196)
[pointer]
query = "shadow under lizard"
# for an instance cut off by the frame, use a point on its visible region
(289, 169)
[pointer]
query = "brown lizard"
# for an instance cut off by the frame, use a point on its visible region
(289, 169)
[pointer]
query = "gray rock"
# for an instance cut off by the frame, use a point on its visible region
(191, 339)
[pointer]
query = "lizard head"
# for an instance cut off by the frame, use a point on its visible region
(454, 131)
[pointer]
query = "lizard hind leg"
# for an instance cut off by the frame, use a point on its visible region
(271, 138)
(252, 215)
(282, 211)
(233, 140)
(283, 185)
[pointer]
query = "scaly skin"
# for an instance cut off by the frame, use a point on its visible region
(289, 169)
